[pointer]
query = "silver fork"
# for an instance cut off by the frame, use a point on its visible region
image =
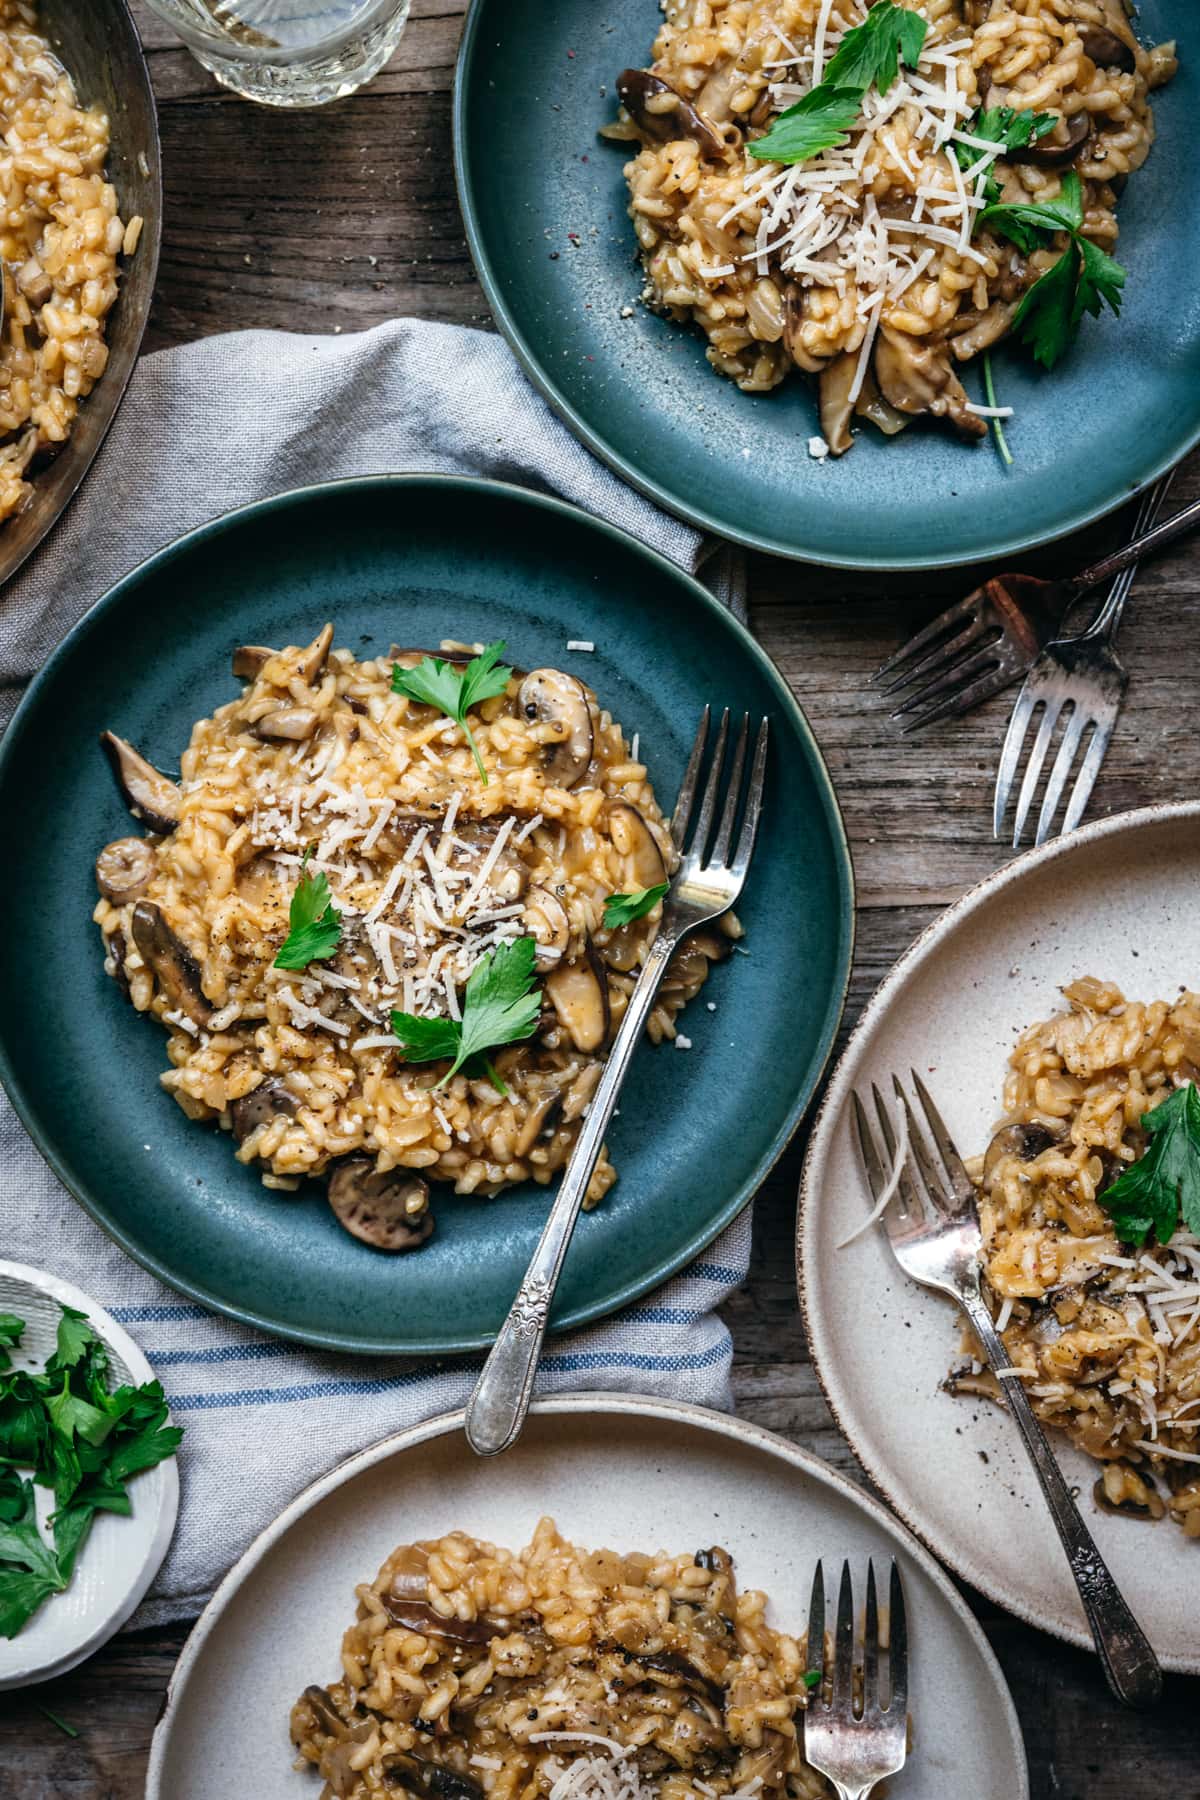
(855, 1749)
(706, 884)
(934, 1232)
(1085, 675)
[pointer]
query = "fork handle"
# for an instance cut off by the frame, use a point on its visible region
(1143, 545)
(497, 1408)
(1130, 1665)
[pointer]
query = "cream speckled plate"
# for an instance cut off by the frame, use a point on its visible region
(1117, 899)
(612, 1471)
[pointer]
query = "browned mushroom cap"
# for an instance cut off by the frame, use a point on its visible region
(249, 660)
(637, 846)
(325, 1714)
(312, 661)
(266, 1101)
(872, 405)
(916, 377)
(124, 868)
(837, 381)
(408, 658)
(33, 281)
(549, 698)
(662, 114)
(429, 1779)
(1055, 151)
(149, 796)
(545, 919)
(976, 331)
(1023, 1141)
(286, 725)
(1106, 49)
(170, 962)
(389, 1211)
(418, 1615)
(578, 993)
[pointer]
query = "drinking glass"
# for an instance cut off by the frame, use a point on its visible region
(288, 52)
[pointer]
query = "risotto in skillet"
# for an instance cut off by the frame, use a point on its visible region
(1099, 1308)
(378, 919)
(473, 1673)
(876, 194)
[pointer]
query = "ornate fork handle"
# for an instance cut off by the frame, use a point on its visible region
(497, 1407)
(1129, 1662)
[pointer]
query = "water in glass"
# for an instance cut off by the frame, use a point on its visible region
(289, 52)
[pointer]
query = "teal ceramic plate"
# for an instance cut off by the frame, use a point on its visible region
(416, 558)
(544, 201)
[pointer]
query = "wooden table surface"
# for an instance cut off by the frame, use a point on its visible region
(343, 218)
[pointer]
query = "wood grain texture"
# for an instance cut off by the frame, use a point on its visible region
(339, 219)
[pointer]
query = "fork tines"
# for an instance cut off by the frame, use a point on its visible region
(702, 854)
(956, 661)
(856, 1724)
(934, 1173)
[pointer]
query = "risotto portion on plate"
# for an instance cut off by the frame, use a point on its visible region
(876, 194)
(1089, 1200)
(390, 917)
(477, 1673)
(61, 238)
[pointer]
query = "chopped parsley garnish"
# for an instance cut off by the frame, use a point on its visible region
(869, 55)
(454, 692)
(623, 909)
(813, 1678)
(500, 1006)
(315, 922)
(1162, 1189)
(76, 1437)
(1010, 129)
(1083, 280)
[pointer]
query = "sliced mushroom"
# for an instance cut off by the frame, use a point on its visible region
(418, 1615)
(637, 846)
(149, 796)
(545, 919)
(338, 1760)
(1023, 1141)
(540, 1119)
(559, 703)
(170, 961)
(429, 1779)
(325, 1714)
(689, 965)
(581, 1092)
(118, 950)
(408, 658)
(286, 725)
(872, 405)
(669, 1662)
(249, 660)
(266, 1101)
(313, 660)
(578, 993)
(916, 377)
(1106, 49)
(978, 331)
(33, 281)
(837, 402)
(388, 1211)
(124, 869)
(672, 118)
(1054, 152)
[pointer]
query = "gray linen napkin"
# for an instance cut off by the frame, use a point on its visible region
(205, 428)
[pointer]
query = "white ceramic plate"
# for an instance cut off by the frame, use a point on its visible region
(1117, 899)
(122, 1555)
(613, 1472)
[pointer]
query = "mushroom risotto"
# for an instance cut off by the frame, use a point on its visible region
(374, 925)
(60, 241)
(876, 193)
(1104, 1333)
(473, 1673)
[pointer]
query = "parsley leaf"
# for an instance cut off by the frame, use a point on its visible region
(1164, 1186)
(75, 1338)
(623, 909)
(1011, 130)
(10, 1335)
(315, 922)
(1083, 280)
(500, 1006)
(437, 683)
(869, 54)
(813, 1678)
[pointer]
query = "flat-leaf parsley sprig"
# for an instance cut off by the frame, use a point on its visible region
(1162, 1189)
(501, 1005)
(623, 909)
(1083, 280)
(1008, 130)
(869, 55)
(437, 683)
(315, 924)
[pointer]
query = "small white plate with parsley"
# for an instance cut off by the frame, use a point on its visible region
(1115, 901)
(88, 1484)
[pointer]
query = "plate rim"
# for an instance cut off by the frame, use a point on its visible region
(1013, 544)
(980, 894)
(676, 1412)
(68, 1293)
(664, 1268)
